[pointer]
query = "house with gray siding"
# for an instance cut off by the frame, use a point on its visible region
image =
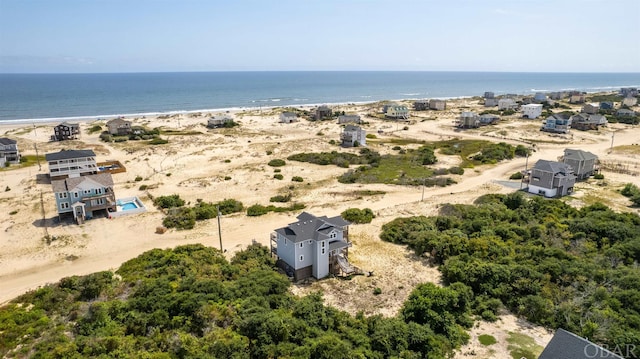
(584, 121)
(323, 113)
(551, 179)
(353, 136)
(349, 119)
(629, 101)
(9, 151)
(219, 121)
(66, 131)
(119, 127)
(591, 108)
(288, 117)
(507, 104)
(313, 247)
(583, 163)
(488, 119)
(468, 119)
(438, 105)
(557, 123)
(85, 196)
(421, 105)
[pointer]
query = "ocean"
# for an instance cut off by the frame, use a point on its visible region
(46, 97)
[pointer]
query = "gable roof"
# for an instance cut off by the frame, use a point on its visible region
(7, 141)
(91, 181)
(552, 166)
(118, 122)
(69, 124)
(579, 155)
(69, 154)
(311, 227)
(567, 345)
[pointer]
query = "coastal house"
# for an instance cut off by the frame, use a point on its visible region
(629, 101)
(590, 108)
(71, 163)
(625, 113)
(531, 111)
(490, 102)
(313, 247)
(219, 121)
(66, 131)
(349, 119)
(288, 117)
(606, 105)
(488, 119)
(323, 113)
(557, 123)
(468, 119)
(540, 97)
(584, 121)
(119, 127)
(8, 151)
(567, 345)
(583, 163)
(629, 92)
(507, 104)
(396, 111)
(551, 179)
(438, 105)
(421, 105)
(577, 98)
(558, 95)
(489, 94)
(84, 196)
(353, 136)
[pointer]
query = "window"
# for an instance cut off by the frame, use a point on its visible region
(333, 235)
(87, 191)
(323, 244)
(301, 258)
(62, 195)
(98, 190)
(301, 244)
(75, 195)
(64, 205)
(323, 250)
(310, 241)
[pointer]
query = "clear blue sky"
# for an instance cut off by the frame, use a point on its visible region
(222, 35)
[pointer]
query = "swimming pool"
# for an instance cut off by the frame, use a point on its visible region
(128, 206)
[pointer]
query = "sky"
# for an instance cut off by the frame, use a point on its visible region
(93, 36)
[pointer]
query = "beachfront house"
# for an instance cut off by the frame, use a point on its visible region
(540, 97)
(531, 111)
(488, 119)
(577, 98)
(119, 127)
(438, 105)
(507, 104)
(66, 131)
(323, 113)
(353, 136)
(421, 105)
(8, 152)
(395, 111)
(288, 117)
(629, 91)
(557, 123)
(629, 101)
(313, 247)
(583, 163)
(84, 197)
(558, 95)
(490, 102)
(71, 163)
(489, 94)
(606, 105)
(219, 121)
(349, 119)
(566, 345)
(584, 121)
(551, 179)
(590, 108)
(468, 119)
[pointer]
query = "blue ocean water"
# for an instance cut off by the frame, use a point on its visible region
(32, 97)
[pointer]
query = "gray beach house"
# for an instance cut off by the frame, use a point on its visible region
(551, 179)
(583, 163)
(71, 163)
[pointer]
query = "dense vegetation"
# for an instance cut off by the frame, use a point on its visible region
(633, 192)
(259, 210)
(340, 159)
(190, 302)
(551, 263)
(357, 215)
(181, 217)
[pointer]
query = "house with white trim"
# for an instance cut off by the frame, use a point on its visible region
(71, 163)
(84, 196)
(551, 179)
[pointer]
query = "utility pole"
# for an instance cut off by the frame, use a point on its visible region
(37, 157)
(526, 163)
(219, 229)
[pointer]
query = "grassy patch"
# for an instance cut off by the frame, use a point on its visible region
(179, 132)
(523, 346)
(628, 149)
(486, 339)
(26, 161)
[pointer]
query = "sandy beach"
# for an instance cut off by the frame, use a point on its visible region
(217, 164)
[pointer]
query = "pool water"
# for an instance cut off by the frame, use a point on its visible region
(128, 206)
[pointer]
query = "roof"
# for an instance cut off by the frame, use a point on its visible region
(311, 227)
(7, 141)
(289, 114)
(93, 181)
(567, 345)
(69, 124)
(117, 121)
(69, 154)
(532, 105)
(350, 128)
(579, 155)
(552, 166)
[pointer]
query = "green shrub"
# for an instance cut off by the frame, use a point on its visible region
(269, 153)
(180, 218)
(13, 212)
(359, 216)
(257, 210)
(158, 141)
(486, 339)
(227, 178)
(106, 137)
(281, 198)
(516, 176)
(227, 161)
(228, 206)
(456, 170)
(277, 163)
(396, 148)
(143, 187)
(278, 176)
(598, 176)
(630, 190)
(138, 178)
(297, 179)
(173, 200)
(377, 291)
(94, 129)
(277, 170)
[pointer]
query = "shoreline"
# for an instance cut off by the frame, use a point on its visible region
(90, 118)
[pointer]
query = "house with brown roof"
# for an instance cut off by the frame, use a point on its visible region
(84, 197)
(584, 121)
(119, 127)
(66, 131)
(313, 247)
(323, 113)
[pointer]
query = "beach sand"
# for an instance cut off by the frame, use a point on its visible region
(216, 164)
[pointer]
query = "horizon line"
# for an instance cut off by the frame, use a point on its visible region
(262, 71)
